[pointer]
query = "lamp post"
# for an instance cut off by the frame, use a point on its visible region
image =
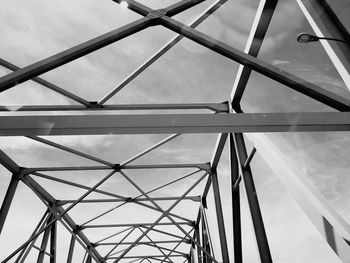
(306, 38)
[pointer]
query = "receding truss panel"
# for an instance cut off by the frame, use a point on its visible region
(142, 182)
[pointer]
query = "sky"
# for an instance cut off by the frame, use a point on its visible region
(33, 30)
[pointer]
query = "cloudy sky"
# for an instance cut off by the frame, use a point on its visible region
(33, 30)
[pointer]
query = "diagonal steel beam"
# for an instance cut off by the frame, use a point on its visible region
(67, 149)
(144, 152)
(71, 54)
(257, 34)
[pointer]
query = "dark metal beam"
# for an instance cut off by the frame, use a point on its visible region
(261, 238)
(115, 200)
(143, 242)
(220, 217)
(134, 225)
(215, 107)
(53, 243)
(173, 123)
(236, 206)
(181, 6)
(6, 204)
(71, 250)
(257, 34)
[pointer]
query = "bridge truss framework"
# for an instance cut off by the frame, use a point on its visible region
(227, 119)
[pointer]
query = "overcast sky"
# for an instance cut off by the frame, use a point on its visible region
(33, 30)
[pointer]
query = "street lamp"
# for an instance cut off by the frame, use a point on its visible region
(306, 38)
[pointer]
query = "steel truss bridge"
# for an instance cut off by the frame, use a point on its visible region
(225, 118)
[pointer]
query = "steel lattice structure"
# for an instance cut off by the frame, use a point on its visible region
(226, 119)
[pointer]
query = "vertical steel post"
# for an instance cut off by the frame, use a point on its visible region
(53, 242)
(220, 217)
(5, 207)
(261, 238)
(236, 207)
(71, 249)
(197, 238)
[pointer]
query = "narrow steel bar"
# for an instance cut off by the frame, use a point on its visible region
(250, 157)
(44, 242)
(71, 54)
(208, 232)
(110, 236)
(215, 107)
(236, 206)
(167, 249)
(159, 53)
(6, 204)
(284, 77)
(145, 256)
(196, 237)
(261, 238)
(220, 217)
(155, 146)
(257, 34)
(173, 123)
(53, 243)
(219, 147)
(201, 166)
(166, 233)
(67, 149)
(134, 225)
(114, 200)
(71, 250)
(325, 23)
(142, 242)
(46, 84)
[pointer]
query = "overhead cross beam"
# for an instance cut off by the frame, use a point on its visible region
(173, 123)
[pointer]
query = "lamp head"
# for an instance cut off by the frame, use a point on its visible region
(305, 38)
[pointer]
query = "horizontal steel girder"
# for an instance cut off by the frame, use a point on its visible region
(16, 125)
